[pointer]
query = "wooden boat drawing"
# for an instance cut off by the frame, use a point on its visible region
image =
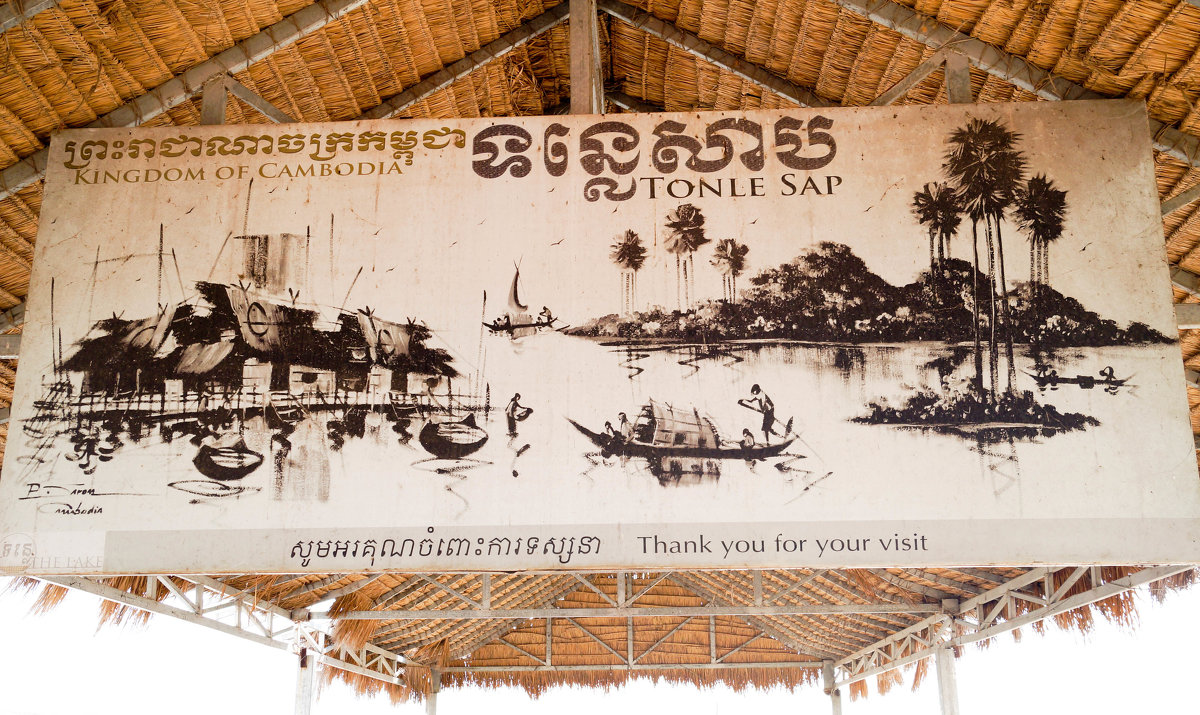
(227, 458)
(1047, 377)
(284, 409)
(452, 440)
(517, 322)
(662, 433)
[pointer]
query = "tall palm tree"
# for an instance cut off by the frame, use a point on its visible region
(987, 169)
(685, 234)
(936, 207)
(630, 255)
(1040, 210)
(730, 257)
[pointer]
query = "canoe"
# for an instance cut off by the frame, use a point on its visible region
(228, 462)
(452, 440)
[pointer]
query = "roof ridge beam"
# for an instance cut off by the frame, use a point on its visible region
(446, 76)
(1008, 67)
(187, 84)
(814, 609)
(693, 44)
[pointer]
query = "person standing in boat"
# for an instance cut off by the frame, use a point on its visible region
(546, 315)
(514, 413)
(760, 401)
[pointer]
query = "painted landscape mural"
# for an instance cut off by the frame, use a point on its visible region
(581, 342)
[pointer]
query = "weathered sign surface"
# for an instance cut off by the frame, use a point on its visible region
(843, 337)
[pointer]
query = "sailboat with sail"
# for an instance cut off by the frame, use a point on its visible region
(517, 322)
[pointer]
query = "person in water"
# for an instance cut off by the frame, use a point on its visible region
(514, 413)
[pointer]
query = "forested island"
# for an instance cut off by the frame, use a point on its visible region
(828, 294)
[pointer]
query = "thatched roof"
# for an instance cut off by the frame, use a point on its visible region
(760, 629)
(111, 62)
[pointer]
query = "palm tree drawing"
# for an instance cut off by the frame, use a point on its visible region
(685, 234)
(987, 170)
(1040, 210)
(730, 257)
(936, 207)
(630, 255)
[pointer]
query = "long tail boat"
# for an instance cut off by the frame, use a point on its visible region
(662, 431)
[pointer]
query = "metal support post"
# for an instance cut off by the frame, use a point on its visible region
(829, 683)
(304, 684)
(947, 680)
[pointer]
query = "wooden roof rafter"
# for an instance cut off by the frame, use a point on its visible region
(693, 44)
(1008, 67)
(446, 76)
(13, 14)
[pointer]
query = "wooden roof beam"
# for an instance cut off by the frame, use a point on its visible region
(446, 76)
(16, 13)
(458, 614)
(587, 82)
(183, 87)
(705, 50)
(1005, 66)
(12, 318)
(897, 91)
(630, 103)
(217, 90)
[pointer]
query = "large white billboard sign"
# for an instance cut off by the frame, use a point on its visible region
(818, 338)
